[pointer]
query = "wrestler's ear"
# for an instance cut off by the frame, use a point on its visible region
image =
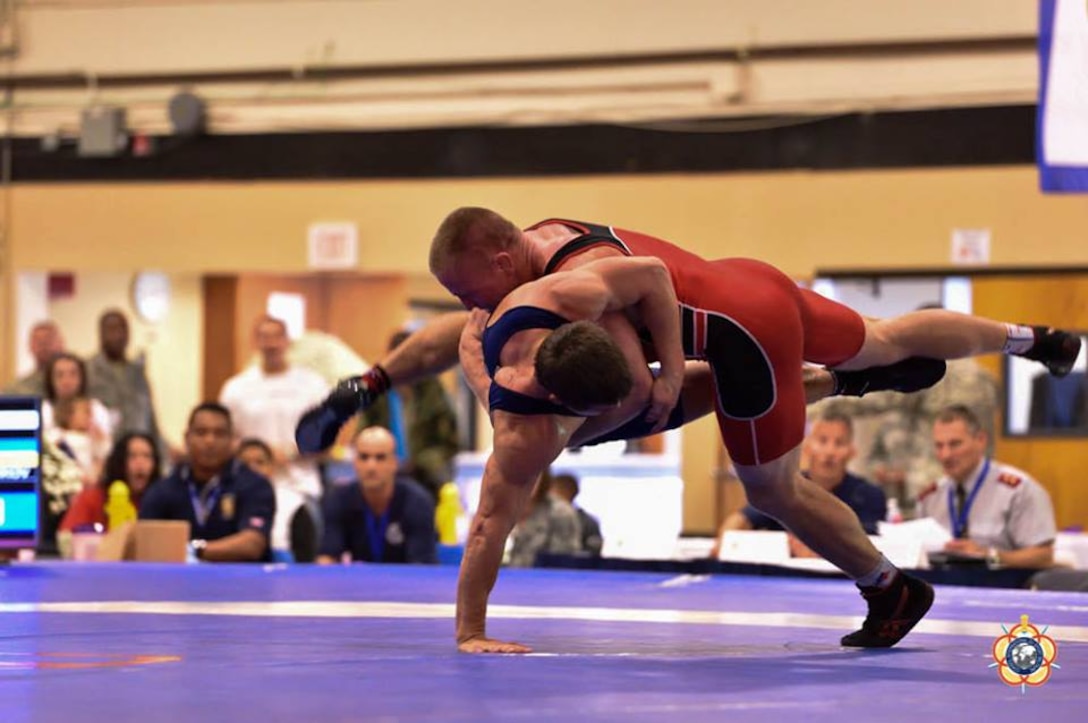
(503, 261)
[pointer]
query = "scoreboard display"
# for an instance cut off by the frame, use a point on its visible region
(20, 470)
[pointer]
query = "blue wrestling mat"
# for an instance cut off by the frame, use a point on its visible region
(132, 642)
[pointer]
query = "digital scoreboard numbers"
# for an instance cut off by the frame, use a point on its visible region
(20, 470)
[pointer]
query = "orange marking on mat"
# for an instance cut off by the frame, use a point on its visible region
(71, 661)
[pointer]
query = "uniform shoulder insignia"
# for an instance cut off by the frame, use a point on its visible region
(1010, 479)
(927, 491)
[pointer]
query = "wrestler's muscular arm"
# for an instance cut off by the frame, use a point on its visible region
(472, 355)
(643, 285)
(430, 350)
(524, 446)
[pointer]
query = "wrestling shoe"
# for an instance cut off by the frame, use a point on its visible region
(908, 375)
(319, 427)
(893, 611)
(1054, 348)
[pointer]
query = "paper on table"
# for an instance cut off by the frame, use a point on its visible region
(755, 546)
(924, 530)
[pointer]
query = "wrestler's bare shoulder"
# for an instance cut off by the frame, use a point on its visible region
(549, 239)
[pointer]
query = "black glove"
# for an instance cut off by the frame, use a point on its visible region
(318, 428)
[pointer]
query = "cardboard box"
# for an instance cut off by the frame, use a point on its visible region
(146, 541)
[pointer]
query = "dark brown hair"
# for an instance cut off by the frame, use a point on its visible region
(50, 390)
(581, 365)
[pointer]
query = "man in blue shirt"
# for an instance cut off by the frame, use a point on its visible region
(382, 517)
(228, 506)
(829, 447)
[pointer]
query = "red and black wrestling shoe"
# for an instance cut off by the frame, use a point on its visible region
(893, 611)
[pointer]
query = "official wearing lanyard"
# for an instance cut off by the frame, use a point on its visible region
(376, 528)
(203, 499)
(959, 522)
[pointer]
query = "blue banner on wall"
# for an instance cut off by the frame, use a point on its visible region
(1062, 127)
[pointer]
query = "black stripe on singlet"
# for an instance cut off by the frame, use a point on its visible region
(582, 242)
(687, 330)
(592, 234)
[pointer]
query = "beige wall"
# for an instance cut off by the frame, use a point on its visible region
(173, 347)
(799, 221)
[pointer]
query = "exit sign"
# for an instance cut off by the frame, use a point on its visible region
(332, 246)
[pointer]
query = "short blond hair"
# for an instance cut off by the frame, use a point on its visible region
(467, 229)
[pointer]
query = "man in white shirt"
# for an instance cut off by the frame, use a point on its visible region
(266, 401)
(994, 511)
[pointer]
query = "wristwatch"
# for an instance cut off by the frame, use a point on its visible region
(993, 557)
(198, 548)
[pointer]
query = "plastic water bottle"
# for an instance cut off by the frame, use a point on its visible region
(119, 507)
(894, 514)
(447, 513)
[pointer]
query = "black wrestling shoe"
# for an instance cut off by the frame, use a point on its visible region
(893, 611)
(1055, 348)
(908, 375)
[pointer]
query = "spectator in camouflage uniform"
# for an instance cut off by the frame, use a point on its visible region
(566, 487)
(551, 527)
(893, 431)
(121, 383)
(45, 342)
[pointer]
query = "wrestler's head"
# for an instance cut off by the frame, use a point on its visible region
(479, 257)
(583, 369)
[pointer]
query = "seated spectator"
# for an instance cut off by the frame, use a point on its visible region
(45, 342)
(134, 460)
(550, 527)
(75, 433)
(230, 507)
(380, 517)
(565, 487)
(829, 447)
(995, 512)
(305, 528)
(257, 455)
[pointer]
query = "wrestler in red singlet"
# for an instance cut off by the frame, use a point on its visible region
(753, 325)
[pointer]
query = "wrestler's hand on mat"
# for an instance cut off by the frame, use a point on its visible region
(663, 396)
(489, 645)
